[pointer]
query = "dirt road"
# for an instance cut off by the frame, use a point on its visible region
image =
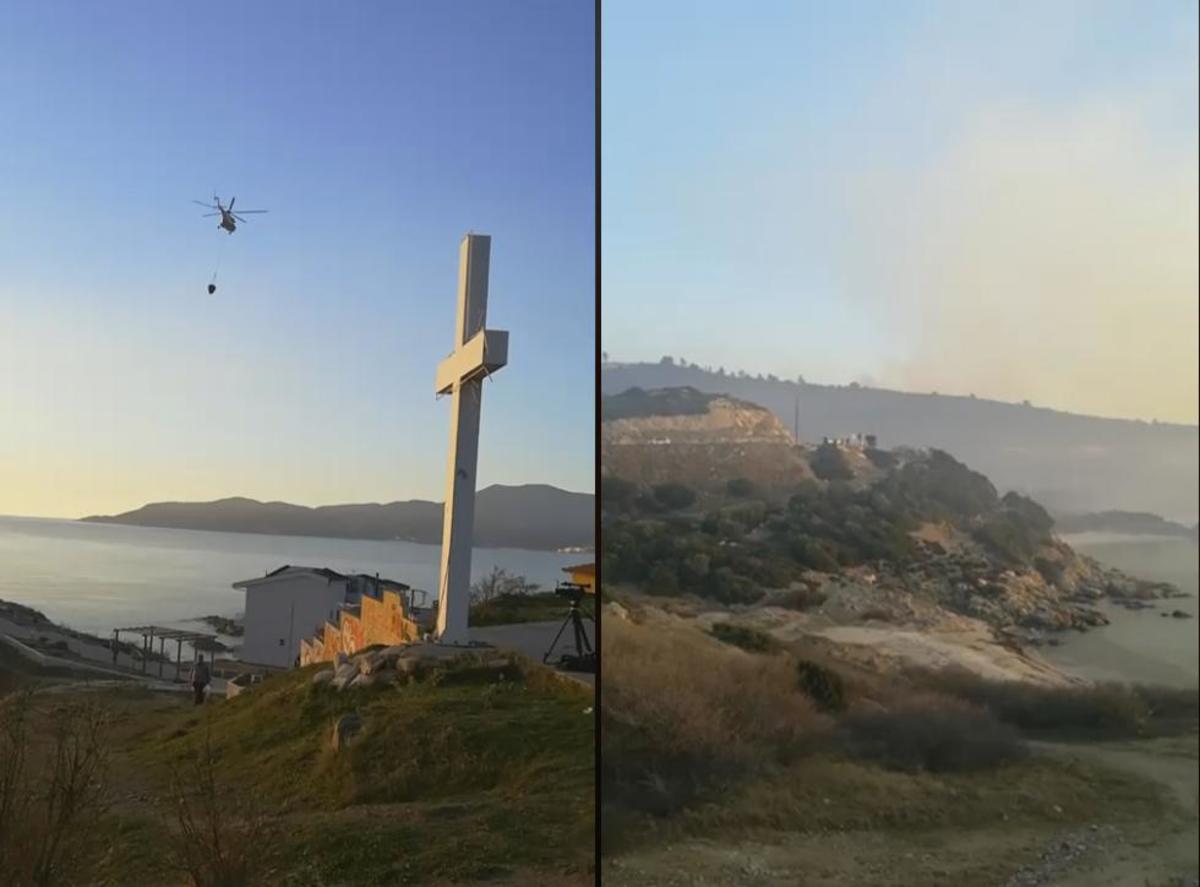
(1103, 854)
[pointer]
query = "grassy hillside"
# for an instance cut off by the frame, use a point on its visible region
(717, 740)
(456, 777)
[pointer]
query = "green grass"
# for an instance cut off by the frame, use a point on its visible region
(506, 768)
(506, 609)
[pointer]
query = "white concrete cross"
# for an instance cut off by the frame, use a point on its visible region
(478, 352)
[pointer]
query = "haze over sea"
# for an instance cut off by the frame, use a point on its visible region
(1139, 646)
(94, 577)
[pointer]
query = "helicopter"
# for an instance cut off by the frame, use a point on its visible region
(229, 218)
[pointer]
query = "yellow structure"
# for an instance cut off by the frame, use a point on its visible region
(583, 574)
(383, 620)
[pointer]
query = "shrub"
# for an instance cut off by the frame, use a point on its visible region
(822, 685)
(749, 639)
(829, 463)
(812, 554)
(930, 732)
(800, 598)
(1106, 709)
(662, 580)
(52, 785)
(674, 496)
(616, 493)
(680, 711)
(740, 487)
(218, 843)
(728, 587)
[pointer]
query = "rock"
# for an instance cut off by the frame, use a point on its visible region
(1180, 614)
(345, 672)
(344, 730)
(340, 659)
(409, 666)
(612, 608)
(369, 663)
(323, 677)
(362, 680)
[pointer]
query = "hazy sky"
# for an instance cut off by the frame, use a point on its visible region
(988, 198)
(377, 134)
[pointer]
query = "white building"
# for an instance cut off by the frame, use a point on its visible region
(290, 603)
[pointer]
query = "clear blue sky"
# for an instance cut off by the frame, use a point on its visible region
(996, 198)
(377, 134)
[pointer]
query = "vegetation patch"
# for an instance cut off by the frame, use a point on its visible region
(1106, 710)
(744, 637)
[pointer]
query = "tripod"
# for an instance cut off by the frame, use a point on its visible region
(583, 659)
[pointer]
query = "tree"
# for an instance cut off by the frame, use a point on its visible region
(500, 582)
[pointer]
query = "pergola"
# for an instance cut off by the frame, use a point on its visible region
(150, 632)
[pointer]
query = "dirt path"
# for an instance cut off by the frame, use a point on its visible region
(1154, 854)
(1160, 854)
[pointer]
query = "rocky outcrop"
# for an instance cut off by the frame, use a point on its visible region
(404, 663)
(720, 439)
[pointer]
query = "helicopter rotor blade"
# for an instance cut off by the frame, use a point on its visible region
(207, 215)
(202, 203)
(253, 210)
(231, 200)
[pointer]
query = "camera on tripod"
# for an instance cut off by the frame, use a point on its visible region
(583, 659)
(571, 591)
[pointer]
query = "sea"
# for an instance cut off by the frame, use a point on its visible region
(96, 577)
(1139, 646)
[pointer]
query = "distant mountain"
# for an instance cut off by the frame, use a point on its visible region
(1131, 522)
(532, 516)
(1071, 463)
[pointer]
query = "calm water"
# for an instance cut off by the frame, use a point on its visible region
(1139, 646)
(94, 577)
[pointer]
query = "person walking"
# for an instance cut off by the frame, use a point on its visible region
(200, 679)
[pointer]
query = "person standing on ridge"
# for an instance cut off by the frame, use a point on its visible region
(200, 679)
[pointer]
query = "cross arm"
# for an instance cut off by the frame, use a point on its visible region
(485, 352)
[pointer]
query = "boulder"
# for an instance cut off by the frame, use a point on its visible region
(408, 665)
(340, 659)
(323, 677)
(344, 674)
(369, 663)
(346, 728)
(362, 680)
(612, 608)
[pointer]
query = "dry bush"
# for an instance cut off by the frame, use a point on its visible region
(680, 709)
(219, 841)
(802, 598)
(744, 637)
(1105, 709)
(929, 731)
(49, 786)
